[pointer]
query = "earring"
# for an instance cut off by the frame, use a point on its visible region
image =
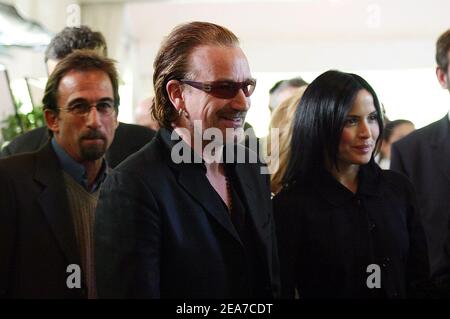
(182, 112)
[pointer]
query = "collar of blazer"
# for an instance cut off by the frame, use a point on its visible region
(440, 145)
(54, 202)
(192, 178)
(337, 194)
(441, 133)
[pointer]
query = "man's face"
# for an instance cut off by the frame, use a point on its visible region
(84, 137)
(217, 63)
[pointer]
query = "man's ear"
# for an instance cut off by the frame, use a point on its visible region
(51, 118)
(442, 77)
(175, 93)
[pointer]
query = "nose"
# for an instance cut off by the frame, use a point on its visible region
(240, 102)
(364, 130)
(93, 118)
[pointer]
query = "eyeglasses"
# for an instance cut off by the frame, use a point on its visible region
(224, 89)
(83, 108)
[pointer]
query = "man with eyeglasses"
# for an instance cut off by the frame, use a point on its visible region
(181, 218)
(128, 138)
(48, 198)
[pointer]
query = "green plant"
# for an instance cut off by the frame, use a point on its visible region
(22, 122)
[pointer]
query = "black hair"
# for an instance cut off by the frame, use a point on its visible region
(75, 38)
(319, 121)
(294, 82)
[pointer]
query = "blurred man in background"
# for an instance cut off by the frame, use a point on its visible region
(143, 115)
(424, 156)
(284, 89)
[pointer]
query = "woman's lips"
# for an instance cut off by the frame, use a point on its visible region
(363, 149)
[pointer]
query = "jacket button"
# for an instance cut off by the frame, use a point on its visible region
(386, 262)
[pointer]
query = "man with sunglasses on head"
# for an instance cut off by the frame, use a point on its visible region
(48, 197)
(200, 227)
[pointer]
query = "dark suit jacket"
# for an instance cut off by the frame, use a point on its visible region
(37, 238)
(327, 237)
(128, 139)
(424, 156)
(160, 231)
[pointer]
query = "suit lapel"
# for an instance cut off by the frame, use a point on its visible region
(199, 188)
(192, 178)
(257, 212)
(253, 204)
(196, 184)
(440, 146)
(45, 137)
(54, 203)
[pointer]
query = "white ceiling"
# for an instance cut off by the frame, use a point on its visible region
(307, 34)
(299, 20)
(295, 35)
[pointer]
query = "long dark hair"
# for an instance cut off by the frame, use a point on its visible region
(319, 121)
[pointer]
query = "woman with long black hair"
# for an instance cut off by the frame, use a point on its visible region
(346, 228)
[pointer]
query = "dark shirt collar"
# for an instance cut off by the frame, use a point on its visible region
(337, 194)
(76, 170)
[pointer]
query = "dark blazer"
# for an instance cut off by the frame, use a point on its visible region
(128, 139)
(424, 156)
(37, 238)
(327, 236)
(160, 231)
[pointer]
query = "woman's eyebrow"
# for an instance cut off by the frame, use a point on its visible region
(356, 116)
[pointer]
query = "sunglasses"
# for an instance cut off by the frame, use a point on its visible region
(224, 89)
